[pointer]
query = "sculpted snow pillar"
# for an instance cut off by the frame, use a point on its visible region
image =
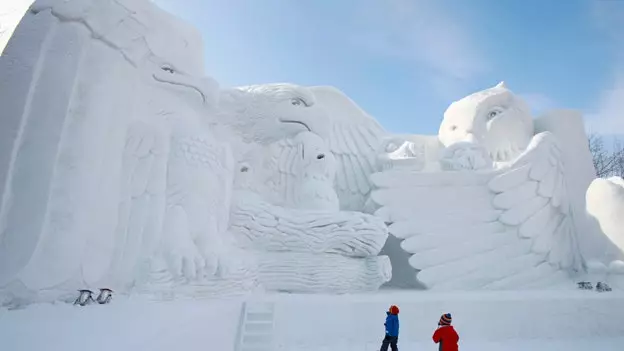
(39, 74)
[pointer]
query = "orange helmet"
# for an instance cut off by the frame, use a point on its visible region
(393, 309)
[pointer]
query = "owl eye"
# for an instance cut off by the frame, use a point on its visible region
(493, 114)
(453, 128)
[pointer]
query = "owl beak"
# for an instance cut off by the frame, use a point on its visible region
(470, 137)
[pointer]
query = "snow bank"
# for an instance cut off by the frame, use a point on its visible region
(605, 203)
(123, 325)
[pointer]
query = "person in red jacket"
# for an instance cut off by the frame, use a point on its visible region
(446, 335)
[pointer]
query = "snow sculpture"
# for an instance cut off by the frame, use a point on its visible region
(286, 205)
(285, 208)
(264, 114)
(508, 224)
(111, 179)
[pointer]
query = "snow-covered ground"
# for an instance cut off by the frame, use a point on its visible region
(556, 320)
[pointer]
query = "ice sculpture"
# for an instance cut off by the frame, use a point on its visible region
(499, 217)
(109, 176)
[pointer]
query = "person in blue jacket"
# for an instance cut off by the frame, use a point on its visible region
(392, 329)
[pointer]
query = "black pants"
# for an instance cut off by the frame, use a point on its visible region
(390, 341)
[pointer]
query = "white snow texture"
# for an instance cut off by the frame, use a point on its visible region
(122, 165)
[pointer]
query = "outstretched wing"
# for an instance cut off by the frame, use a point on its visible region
(506, 228)
(140, 210)
(534, 197)
(354, 138)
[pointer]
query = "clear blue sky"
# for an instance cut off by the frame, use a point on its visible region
(404, 61)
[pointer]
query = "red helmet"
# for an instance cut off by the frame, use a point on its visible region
(394, 309)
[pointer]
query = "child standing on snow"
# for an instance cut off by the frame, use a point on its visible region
(446, 335)
(392, 329)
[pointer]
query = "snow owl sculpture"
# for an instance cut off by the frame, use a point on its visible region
(316, 174)
(506, 227)
(495, 118)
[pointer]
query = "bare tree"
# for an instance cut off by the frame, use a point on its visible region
(607, 162)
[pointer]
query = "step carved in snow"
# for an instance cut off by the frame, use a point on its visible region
(255, 330)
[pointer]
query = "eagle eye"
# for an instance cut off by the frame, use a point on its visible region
(298, 102)
(168, 69)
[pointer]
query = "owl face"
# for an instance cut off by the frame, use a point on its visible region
(494, 118)
(316, 158)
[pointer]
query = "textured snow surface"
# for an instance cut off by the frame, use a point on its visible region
(485, 321)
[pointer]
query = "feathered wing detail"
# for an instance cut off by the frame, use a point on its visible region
(534, 197)
(354, 138)
(505, 228)
(141, 207)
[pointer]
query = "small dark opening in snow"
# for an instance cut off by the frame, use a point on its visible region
(320, 157)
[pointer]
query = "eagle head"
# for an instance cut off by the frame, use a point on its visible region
(270, 112)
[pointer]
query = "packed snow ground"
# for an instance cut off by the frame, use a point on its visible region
(556, 320)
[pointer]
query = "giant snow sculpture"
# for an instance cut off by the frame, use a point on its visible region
(501, 209)
(109, 177)
(121, 166)
(117, 169)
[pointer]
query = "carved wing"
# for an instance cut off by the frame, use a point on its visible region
(140, 211)
(354, 138)
(507, 228)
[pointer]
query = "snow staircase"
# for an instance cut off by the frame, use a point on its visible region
(255, 330)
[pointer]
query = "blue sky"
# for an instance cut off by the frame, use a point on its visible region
(404, 61)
